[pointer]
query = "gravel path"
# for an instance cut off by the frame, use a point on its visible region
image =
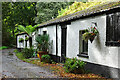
(12, 67)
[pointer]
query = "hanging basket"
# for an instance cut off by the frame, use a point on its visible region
(27, 38)
(90, 34)
(21, 40)
(92, 38)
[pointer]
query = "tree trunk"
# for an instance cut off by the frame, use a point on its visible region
(30, 42)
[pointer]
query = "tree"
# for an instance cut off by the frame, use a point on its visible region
(16, 13)
(7, 38)
(29, 30)
(49, 10)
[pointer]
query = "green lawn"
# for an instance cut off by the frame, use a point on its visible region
(3, 47)
(20, 56)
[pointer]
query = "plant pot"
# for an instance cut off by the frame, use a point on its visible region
(92, 38)
(42, 53)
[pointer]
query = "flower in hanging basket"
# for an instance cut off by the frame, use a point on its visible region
(90, 34)
(86, 36)
(21, 40)
(26, 39)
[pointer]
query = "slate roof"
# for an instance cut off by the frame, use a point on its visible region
(90, 11)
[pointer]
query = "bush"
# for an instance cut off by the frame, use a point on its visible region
(3, 47)
(42, 42)
(46, 58)
(74, 66)
(16, 51)
(27, 52)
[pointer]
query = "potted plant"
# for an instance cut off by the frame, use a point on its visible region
(90, 34)
(21, 40)
(42, 44)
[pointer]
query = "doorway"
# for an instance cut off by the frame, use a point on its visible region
(63, 42)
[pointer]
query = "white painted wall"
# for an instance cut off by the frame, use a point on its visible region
(97, 51)
(18, 45)
(52, 34)
(33, 40)
(51, 30)
(28, 45)
(21, 45)
(59, 40)
(119, 57)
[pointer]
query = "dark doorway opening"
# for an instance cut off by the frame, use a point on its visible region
(63, 41)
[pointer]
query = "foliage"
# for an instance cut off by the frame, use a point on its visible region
(102, 0)
(3, 47)
(7, 38)
(48, 10)
(74, 66)
(90, 33)
(75, 7)
(14, 13)
(42, 42)
(20, 56)
(58, 69)
(28, 53)
(21, 40)
(16, 51)
(29, 30)
(62, 11)
(46, 58)
(26, 39)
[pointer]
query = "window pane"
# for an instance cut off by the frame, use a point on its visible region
(44, 32)
(113, 27)
(83, 44)
(117, 28)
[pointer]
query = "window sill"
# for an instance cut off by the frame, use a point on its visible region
(113, 43)
(83, 55)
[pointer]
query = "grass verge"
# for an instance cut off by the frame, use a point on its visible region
(20, 56)
(58, 69)
(3, 47)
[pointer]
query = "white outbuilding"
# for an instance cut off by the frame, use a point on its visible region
(102, 55)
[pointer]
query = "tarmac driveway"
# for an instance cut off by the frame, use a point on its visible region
(12, 67)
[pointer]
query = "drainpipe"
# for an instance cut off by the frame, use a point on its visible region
(56, 44)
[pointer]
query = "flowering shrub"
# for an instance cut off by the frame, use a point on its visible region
(90, 33)
(74, 66)
(46, 58)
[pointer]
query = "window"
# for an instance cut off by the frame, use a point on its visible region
(83, 45)
(113, 29)
(44, 32)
